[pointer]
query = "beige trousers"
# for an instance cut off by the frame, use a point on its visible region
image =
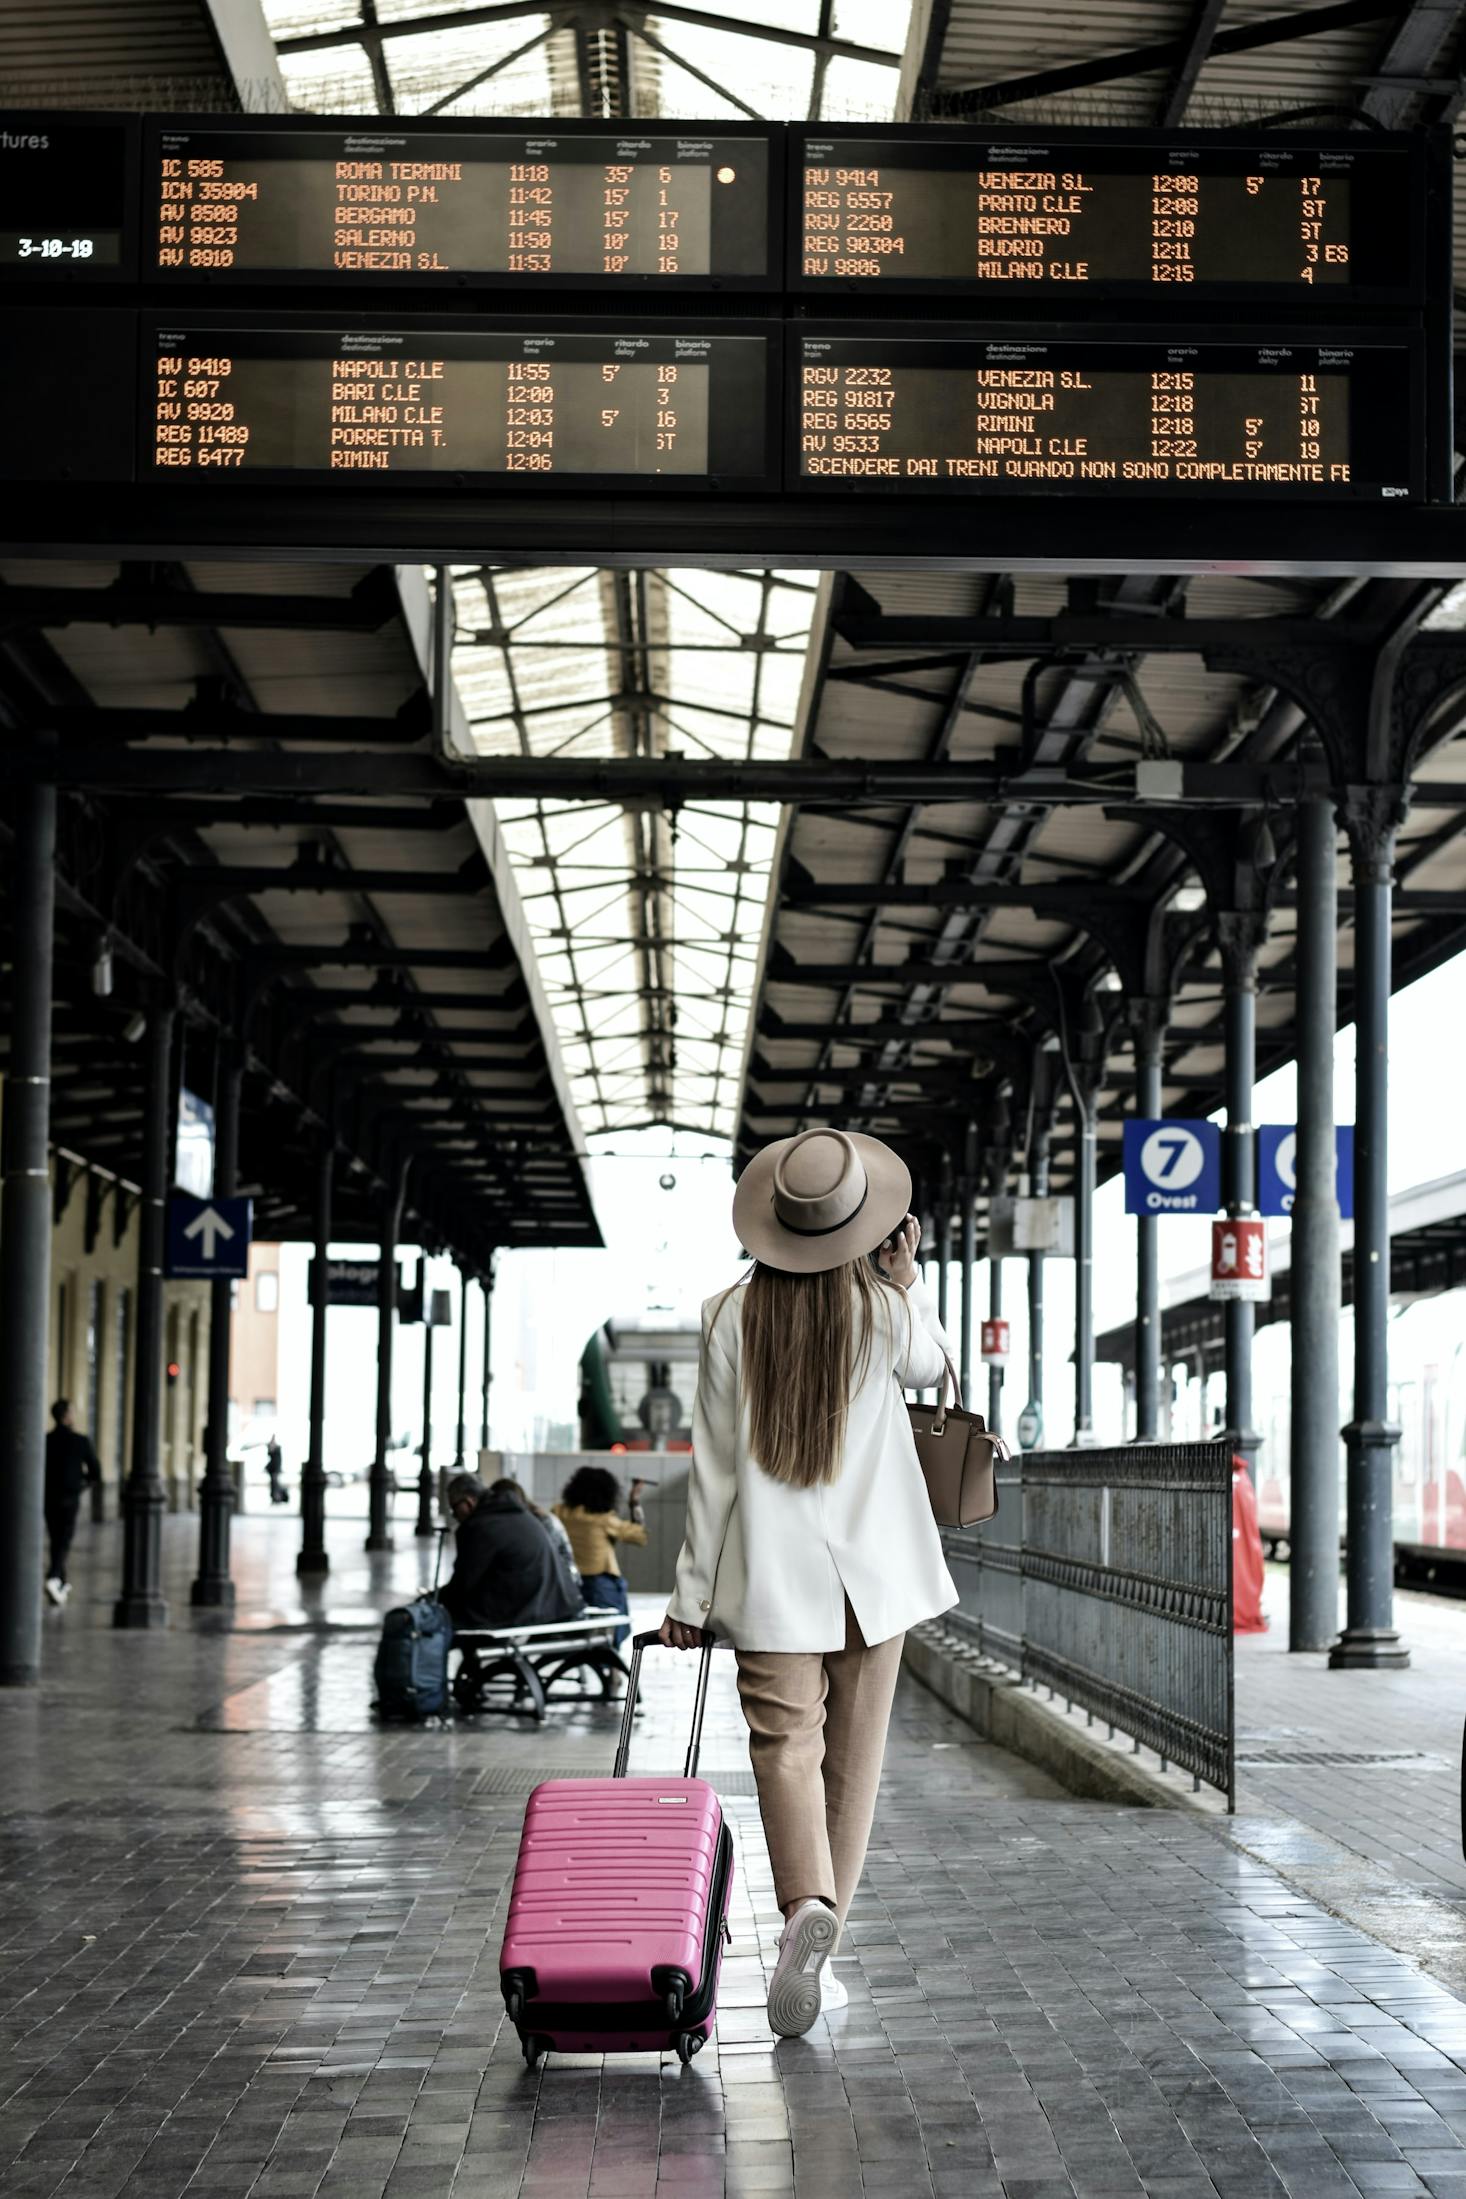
(816, 1735)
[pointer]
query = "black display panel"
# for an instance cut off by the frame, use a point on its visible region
(68, 393)
(553, 204)
(1137, 413)
(1037, 225)
(654, 406)
(68, 194)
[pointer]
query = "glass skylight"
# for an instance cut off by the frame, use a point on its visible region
(647, 923)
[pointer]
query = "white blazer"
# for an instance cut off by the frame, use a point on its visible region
(784, 1559)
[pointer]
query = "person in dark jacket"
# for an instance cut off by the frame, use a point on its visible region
(275, 1468)
(507, 1570)
(72, 1465)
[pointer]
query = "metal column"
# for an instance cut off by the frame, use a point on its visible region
(1147, 1029)
(488, 1283)
(379, 1523)
(25, 1241)
(313, 1559)
(1239, 941)
(943, 1234)
(460, 1448)
(995, 1368)
(968, 1263)
(1038, 1180)
(1313, 1534)
(212, 1587)
(1084, 1174)
(1369, 1637)
(426, 1490)
(141, 1601)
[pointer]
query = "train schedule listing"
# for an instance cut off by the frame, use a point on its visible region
(541, 405)
(1013, 221)
(377, 205)
(933, 415)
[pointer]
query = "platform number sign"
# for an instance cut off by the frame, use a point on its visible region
(1277, 1168)
(1172, 1167)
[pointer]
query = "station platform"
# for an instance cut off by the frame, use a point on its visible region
(1373, 1758)
(252, 1949)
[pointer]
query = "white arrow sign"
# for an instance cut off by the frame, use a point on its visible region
(211, 1226)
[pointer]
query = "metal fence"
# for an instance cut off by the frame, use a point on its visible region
(1107, 1576)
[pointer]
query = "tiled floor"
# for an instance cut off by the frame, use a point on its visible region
(249, 1944)
(1399, 1803)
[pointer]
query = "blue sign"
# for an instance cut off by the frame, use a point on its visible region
(208, 1237)
(1277, 1167)
(1172, 1167)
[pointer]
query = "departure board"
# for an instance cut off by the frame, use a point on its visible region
(67, 187)
(492, 203)
(1023, 221)
(571, 403)
(920, 412)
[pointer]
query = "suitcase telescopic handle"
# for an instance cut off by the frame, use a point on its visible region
(639, 1642)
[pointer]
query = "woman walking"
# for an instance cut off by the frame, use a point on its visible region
(810, 1542)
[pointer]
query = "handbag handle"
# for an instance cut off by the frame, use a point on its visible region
(940, 1423)
(943, 1407)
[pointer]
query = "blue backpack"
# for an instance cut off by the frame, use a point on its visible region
(412, 1661)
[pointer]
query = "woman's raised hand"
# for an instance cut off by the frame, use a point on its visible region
(898, 1254)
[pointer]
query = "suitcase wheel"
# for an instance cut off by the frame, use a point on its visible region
(688, 2044)
(514, 2002)
(672, 2001)
(534, 2047)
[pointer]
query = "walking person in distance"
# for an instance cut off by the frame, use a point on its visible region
(275, 1469)
(71, 1466)
(810, 1542)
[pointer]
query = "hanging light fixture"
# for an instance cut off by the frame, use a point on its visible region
(102, 966)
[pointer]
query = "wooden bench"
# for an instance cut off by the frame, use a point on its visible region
(536, 1659)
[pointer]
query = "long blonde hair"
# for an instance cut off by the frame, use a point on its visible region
(802, 1361)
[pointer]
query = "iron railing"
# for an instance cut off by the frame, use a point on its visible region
(1107, 1577)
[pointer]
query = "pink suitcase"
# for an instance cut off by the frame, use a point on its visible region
(620, 1906)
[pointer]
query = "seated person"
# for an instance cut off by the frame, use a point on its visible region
(552, 1526)
(588, 1513)
(507, 1570)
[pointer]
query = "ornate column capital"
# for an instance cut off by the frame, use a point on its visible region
(1149, 1016)
(1371, 815)
(1240, 934)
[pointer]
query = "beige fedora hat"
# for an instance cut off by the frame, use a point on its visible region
(810, 1203)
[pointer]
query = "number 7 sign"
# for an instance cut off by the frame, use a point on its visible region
(1172, 1166)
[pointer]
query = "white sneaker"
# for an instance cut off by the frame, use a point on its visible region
(809, 1939)
(833, 1993)
(56, 1589)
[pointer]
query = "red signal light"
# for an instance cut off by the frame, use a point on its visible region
(174, 1370)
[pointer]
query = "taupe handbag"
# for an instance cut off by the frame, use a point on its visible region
(959, 1459)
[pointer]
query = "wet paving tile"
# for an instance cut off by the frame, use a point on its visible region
(248, 1950)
